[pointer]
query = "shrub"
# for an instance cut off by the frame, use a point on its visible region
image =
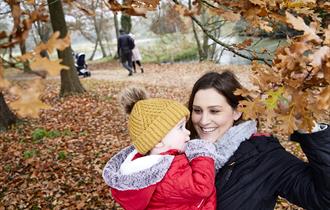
(53, 134)
(61, 155)
(29, 153)
(39, 134)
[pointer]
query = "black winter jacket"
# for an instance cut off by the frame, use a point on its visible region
(261, 169)
(124, 45)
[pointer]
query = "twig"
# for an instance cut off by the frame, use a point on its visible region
(228, 47)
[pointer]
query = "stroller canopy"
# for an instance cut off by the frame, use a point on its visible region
(80, 59)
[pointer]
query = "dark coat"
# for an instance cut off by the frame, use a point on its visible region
(124, 44)
(261, 170)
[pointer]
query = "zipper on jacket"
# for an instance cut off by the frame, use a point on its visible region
(230, 170)
(200, 204)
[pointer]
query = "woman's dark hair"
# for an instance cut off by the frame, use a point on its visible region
(224, 83)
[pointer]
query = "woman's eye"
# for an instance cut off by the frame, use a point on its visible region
(214, 111)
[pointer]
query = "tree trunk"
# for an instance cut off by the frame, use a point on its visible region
(126, 23)
(206, 47)
(100, 34)
(7, 117)
(201, 53)
(115, 19)
(98, 29)
(95, 48)
(70, 83)
(228, 47)
(44, 33)
(104, 54)
(26, 63)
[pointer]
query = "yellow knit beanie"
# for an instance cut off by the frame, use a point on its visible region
(151, 119)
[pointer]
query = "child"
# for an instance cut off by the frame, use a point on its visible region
(155, 173)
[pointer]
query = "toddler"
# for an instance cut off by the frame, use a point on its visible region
(162, 169)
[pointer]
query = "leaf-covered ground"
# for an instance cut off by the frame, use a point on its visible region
(56, 161)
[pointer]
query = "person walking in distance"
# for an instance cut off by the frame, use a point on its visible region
(125, 44)
(136, 56)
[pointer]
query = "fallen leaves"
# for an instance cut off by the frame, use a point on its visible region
(63, 171)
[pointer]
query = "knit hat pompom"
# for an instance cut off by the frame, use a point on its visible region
(130, 96)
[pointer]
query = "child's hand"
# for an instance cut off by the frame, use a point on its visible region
(197, 148)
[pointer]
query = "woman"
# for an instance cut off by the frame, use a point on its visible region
(256, 169)
(136, 57)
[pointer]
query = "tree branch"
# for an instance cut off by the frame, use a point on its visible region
(228, 47)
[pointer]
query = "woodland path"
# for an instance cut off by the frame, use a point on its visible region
(172, 75)
(180, 75)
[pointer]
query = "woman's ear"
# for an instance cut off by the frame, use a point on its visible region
(237, 114)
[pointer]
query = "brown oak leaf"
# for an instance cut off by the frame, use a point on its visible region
(44, 64)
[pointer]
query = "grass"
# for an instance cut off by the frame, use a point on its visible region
(187, 54)
(169, 55)
(101, 60)
(40, 133)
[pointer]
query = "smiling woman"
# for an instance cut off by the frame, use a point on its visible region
(211, 115)
(256, 169)
(213, 105)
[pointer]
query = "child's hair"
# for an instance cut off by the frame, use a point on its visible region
(149, 119)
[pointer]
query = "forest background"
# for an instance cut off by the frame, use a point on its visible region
(58, 131)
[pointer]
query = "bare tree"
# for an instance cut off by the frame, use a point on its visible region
(206, 49)
(229, 47)
(115, 20)
(126, 22)
(95, 28)
(70, 83)
(98, 28)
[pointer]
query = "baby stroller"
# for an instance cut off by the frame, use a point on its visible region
(81, 65)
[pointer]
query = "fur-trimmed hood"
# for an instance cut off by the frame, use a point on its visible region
(123, 173)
